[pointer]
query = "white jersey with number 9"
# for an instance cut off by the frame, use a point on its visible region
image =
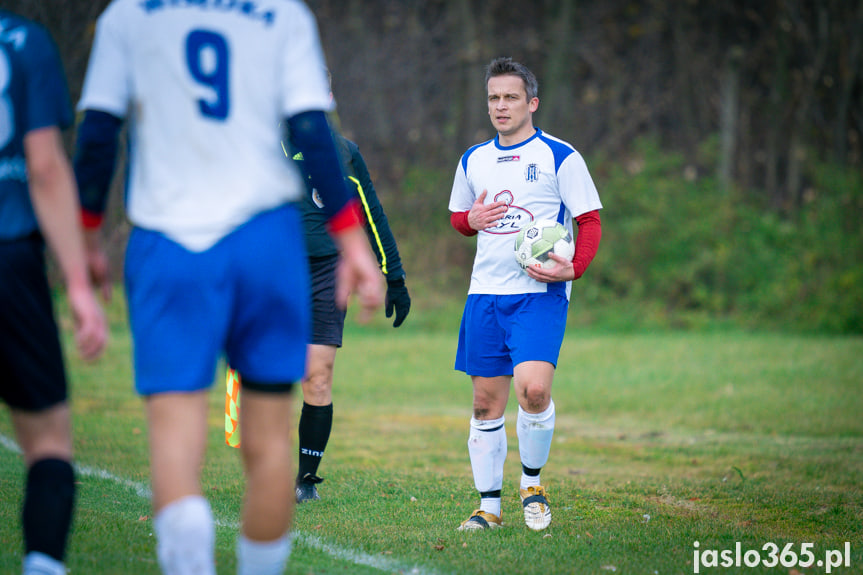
(204, 86)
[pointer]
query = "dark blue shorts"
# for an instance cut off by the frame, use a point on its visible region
(328, 321)
(32, 374)
(499, 332)
(247, 297)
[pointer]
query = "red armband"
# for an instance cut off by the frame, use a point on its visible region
(91, 220)
(587, 241)
(348, 217)
(459, 222)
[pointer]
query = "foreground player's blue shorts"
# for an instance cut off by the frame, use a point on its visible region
(246, 297)
(499, 332)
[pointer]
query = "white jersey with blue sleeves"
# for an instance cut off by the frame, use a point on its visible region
(540, 178)
(204, 85)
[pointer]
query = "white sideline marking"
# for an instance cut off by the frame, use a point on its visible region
(334, 551)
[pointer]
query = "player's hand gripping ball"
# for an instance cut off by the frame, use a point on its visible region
(539, 238)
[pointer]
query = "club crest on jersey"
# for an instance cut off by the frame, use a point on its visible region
(316, 197)
(502, 159)
(531, 173)
(514, 218)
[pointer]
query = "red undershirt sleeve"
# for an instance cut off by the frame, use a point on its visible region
(587, 241)
(459, 222)
(348, 217)
(91, 220)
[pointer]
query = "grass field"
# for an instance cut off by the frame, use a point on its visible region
(662, 440)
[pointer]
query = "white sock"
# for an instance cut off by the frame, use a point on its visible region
(486, 446)
(185, 537)
(535, 431)
(36, 563)
(263, 557)
(529, 480)
(490, 505)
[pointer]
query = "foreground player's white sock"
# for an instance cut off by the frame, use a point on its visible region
(535, 431)
(263, 557)
(185, 537)
(36, 563)
(486, 445)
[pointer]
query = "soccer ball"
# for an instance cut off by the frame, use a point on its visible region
(535, 240)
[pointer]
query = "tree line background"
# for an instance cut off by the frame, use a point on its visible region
(726, 139)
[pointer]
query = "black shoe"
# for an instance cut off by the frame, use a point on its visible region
(306, 490)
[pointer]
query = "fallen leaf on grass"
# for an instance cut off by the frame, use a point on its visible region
(588, 534)
(143, 517)
(439, 547)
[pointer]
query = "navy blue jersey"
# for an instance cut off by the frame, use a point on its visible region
(33, 95)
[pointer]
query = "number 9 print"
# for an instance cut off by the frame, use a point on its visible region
(207, 56)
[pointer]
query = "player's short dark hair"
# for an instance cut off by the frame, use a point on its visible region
(505, 66)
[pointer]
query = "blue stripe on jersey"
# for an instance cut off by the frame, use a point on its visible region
(520, 144)
(560, 213)
(560, 150)
(470, 151)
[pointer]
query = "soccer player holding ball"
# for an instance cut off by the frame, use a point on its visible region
(500, 186)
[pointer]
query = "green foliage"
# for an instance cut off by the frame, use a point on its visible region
(433, 253)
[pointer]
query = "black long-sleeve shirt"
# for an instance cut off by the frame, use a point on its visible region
(318, 241)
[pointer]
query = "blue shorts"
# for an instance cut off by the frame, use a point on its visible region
(246, 297)
(499, 332)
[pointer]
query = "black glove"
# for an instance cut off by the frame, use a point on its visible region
(398, 299)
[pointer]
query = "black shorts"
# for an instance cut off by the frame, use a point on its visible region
(328, 321)
(31, 359)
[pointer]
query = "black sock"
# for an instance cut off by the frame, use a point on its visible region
(316, 422)
(49, 500)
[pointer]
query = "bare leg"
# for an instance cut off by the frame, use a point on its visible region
(318, 383)
(490, 395)
(266, 430)
(44, 434)
(532, 382)
(178, 441)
